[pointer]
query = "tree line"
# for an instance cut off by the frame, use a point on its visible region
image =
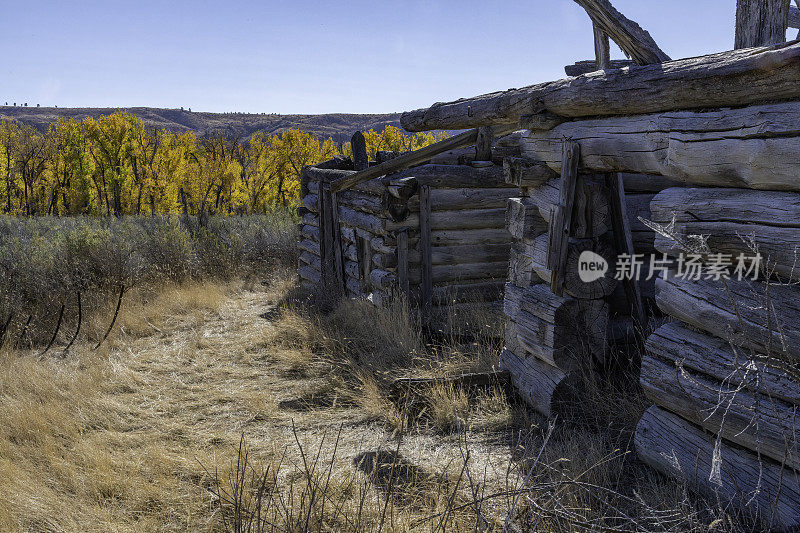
(117, 165)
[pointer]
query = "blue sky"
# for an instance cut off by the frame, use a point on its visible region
(313, 57)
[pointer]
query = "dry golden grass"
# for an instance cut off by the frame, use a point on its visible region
(144, 433)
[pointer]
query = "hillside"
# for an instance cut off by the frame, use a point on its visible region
(340, 126)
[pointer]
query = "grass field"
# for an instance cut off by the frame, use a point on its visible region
(230, 403)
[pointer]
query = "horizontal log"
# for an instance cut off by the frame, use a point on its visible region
(383, 279)
(755, 421)
(716, 358)
(752, 147)
(453, 237)
(735, 78)
(466, 219)
(527, 172)
(309, 273)
(311, 202)
(311, 259)
(470, 271)
(640, 183)
(629, 36)
(524, 219)
(310, 219)
(563, 332)
(734, 221)
(536, 381)
(747, 313)
(520, 267)
(453, 176)
(574, 286)
(475, 291)
(591, 212)
(681, 450)
(360, 201)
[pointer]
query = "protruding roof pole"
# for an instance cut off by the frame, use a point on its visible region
(629, 36)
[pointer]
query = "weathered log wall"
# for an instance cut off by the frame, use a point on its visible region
(386, 235)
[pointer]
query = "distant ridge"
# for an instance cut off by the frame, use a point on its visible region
(340, 126)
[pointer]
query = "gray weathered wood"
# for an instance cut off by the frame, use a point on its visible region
(534, 380)
(602, 49)
(470, 253)
(734, 221)
(470, 198)
(629, 36)
(561, 218)
(359, 147)
(425, 228)
(412, 158)
(402, 263)
(526, 172)
(624, 244)
(480, 290)
(467, 218)
(483, 144)
(761, 22)
(641, 183)
(755, 421)
(537, 252)
(563, 332)
(591, 212)
(337, 240)
(524, 220)
(469, 236)
(794, 17)
(679, 449)
(752, 147)
(453, 176)
(579, 68)
(747, 313)
(716, 358)
(735, 78)
(541, 121)
(309, 273)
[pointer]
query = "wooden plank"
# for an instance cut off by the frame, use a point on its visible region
(452, 176)
(717, 80)
(402, 263)
(751, 147)
(364, 257)
(411, 158)
(561, 218)
(425, 249)
(470, 253)
(760, 22)
(467, 218)
(602, 48)
(455, 237)
(624, 245)
(470, 198)
(681, 450)
(794, 17)
(359, 147)
(629, 36)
